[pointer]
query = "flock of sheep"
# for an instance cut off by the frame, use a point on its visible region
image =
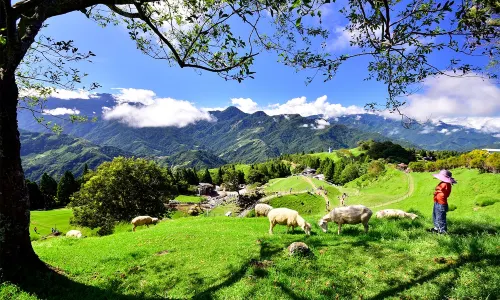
(353, 214)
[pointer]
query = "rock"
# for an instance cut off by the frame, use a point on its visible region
(298, 248)
(194, 211)
(228, 214)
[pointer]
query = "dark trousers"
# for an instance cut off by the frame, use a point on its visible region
(439, 217)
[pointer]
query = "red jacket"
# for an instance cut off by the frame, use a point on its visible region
(442, 192)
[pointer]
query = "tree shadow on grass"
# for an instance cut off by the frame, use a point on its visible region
(53, 284)
(492, 260)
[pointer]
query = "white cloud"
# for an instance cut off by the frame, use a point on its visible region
(468, 101)
(485, 124)
(444, 131)
(60, 94)
(67, 94)
(427, 129)
(321, 124)
(61, 111)
(318, 107)
(145, 97)
(455, 97)
(245, 105)
(162, 112)
(305, 125)
(358, 118)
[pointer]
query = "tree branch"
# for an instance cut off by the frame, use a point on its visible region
(123, 13)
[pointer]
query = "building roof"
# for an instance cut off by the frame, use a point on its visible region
(205, 184)
(309, 170)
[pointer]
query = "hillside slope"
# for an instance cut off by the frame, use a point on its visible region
(234, 137)
(55, 154)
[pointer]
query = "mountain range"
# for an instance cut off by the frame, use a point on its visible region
(231, 136)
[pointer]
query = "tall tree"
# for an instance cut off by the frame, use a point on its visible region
(206, 178)
(48, 188)
(192, 34)
(66, 187)
(36, 198)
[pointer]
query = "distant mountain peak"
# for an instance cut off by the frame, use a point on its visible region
(259, 113)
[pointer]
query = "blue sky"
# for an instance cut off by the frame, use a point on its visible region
(119, 64)
(122, 65)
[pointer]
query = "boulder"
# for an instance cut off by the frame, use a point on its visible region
(228, 214)
(298, 248)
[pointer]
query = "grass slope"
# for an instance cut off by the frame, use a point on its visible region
(297, 183)
(305, 204)
(390, 186)
(185, 198)
(235, 258)
(470, 184)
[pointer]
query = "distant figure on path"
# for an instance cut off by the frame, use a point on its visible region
(441, 194)
(290, 190)
(327, 205)
(35, 229)
(342, 199)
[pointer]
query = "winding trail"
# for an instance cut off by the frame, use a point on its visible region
(411, 189)
(308, 179)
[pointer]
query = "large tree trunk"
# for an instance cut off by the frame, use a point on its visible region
(16, 252)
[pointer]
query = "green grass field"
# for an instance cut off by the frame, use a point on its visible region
(185, 198)
(305, 204)
(390, 186)
(297, 183)
(235, 258)
(334, 156)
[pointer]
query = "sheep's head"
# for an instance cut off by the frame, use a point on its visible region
(307, 228)
(154, 220)
(413, 216)
(323, 224)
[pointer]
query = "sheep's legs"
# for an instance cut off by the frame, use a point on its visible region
(366, 227)
(271, 226)
(134, 228)
(340, 227)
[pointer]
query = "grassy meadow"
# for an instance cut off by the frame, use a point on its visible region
(235, 258)
(296, 183)
(186, 198)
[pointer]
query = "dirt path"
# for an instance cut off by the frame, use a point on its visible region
(327, 201)
(411, 189)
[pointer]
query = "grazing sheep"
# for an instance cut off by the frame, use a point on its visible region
(395, 213)
(74, 233)
(288, 217)
(353, 214)
(262, 209)
(143, 220)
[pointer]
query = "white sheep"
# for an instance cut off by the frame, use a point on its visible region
(74, 233)
(353, 214)
(288, 217)
(262, 209)
(395, 213)
(143, 220)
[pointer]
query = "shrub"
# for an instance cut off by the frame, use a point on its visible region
(251, 214)
(452, 207)
(485, 200)
(417, 166)
(119, 191)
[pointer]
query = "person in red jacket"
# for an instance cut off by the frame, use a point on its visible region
(441, 194)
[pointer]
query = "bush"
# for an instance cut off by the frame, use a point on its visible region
(417, 166)
(452, 207)
(119, 191)
(485, 200)
(251, 214)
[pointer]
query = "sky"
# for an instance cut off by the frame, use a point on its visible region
(169, 91)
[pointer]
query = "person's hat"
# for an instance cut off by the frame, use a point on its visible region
(445, 176)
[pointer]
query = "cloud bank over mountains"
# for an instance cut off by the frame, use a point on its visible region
(469, 101)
